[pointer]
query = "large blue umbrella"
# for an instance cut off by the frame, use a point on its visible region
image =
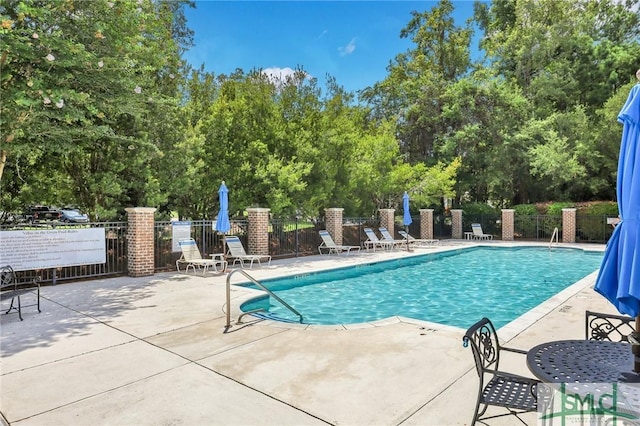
(222, 223)
(619, 277)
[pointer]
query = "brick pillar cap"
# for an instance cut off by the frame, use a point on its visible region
(390, 210)
(140, 209)
(456, 210)
(569, 210)
(334, 209)
(426, 210)
(508, 210)
(258, 209)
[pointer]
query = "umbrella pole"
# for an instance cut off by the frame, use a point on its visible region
(636, 350)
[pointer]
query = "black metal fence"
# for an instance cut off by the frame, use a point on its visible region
(292, 237)
(115, 248)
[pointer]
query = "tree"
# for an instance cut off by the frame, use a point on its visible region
(77, 88)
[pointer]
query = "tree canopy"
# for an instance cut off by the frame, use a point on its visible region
(99, 110)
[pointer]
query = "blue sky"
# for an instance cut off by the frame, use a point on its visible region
(351, 40)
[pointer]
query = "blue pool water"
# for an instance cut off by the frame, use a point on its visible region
(455, 288)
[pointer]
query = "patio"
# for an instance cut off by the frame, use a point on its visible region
(153, 350)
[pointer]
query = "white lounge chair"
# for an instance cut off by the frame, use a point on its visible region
(420, 242)
(478, 234)
(331, 247)
(373, 241)
(236, 252)
(193, 259)
(386, 236)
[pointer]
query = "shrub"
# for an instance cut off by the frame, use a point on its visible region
(556, 208)
(525, 209)
(609, 208)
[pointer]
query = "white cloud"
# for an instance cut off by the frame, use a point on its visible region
(279, 75)
(348, 49)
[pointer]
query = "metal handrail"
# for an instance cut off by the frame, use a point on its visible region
(555, 234)
(285, 304)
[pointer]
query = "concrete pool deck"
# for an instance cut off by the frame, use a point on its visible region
(153, 350)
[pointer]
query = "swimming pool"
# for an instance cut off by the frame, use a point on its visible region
(455, 288)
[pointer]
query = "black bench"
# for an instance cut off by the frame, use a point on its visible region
(12, 288)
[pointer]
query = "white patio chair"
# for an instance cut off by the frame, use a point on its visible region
(235, 251)
(373, 241)
(192, 258)
(478, 234)
(331, 247)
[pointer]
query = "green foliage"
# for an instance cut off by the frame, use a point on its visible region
(102, 113)
(556, 208)
(600, 209)
(479, 209)
(525, 210)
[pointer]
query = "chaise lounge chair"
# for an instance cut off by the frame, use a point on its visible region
(373, 241)
(478, 234)
(331, 247)
(419, 242)
(193, 259)
(386, 236)
(236, 252)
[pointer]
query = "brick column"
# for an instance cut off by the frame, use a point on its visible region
(258, 232)
(140, 241)
(387, 219)
(426, 224)
(508, 224)
(568, 225)
(456, 224)
(333, 223)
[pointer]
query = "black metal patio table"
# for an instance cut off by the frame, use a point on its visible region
(582, 361)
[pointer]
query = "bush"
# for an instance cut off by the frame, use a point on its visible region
(525, 210)
(555, 209)
(479, 209)
(600, 209)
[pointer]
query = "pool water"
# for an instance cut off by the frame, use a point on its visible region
(455, 288)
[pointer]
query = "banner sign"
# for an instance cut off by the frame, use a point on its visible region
(52, 248)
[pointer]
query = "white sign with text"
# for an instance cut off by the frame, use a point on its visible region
(52, 248)
(181, 230)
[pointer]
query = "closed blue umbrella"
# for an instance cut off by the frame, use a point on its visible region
(619, 276)
(406, 215)
(222, 223)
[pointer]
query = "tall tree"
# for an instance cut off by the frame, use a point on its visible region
(77, 85)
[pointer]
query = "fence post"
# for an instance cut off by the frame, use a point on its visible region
(426, 224)
(140, 241)
(569, 225)
(387, 219)
(456, 224)
(258, 232)
(333, 223)
(508, 224)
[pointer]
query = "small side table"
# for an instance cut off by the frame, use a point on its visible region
(468, 235)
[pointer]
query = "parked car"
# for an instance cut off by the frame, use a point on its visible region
(73, 216)
(39, 213)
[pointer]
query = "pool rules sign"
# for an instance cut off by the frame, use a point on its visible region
(52, 248)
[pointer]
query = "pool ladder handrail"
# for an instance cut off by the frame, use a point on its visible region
(254, 281)
(554, 235)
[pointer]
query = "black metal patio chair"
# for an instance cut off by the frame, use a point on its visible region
(11, 288)
(609, 327)
(517, 394)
